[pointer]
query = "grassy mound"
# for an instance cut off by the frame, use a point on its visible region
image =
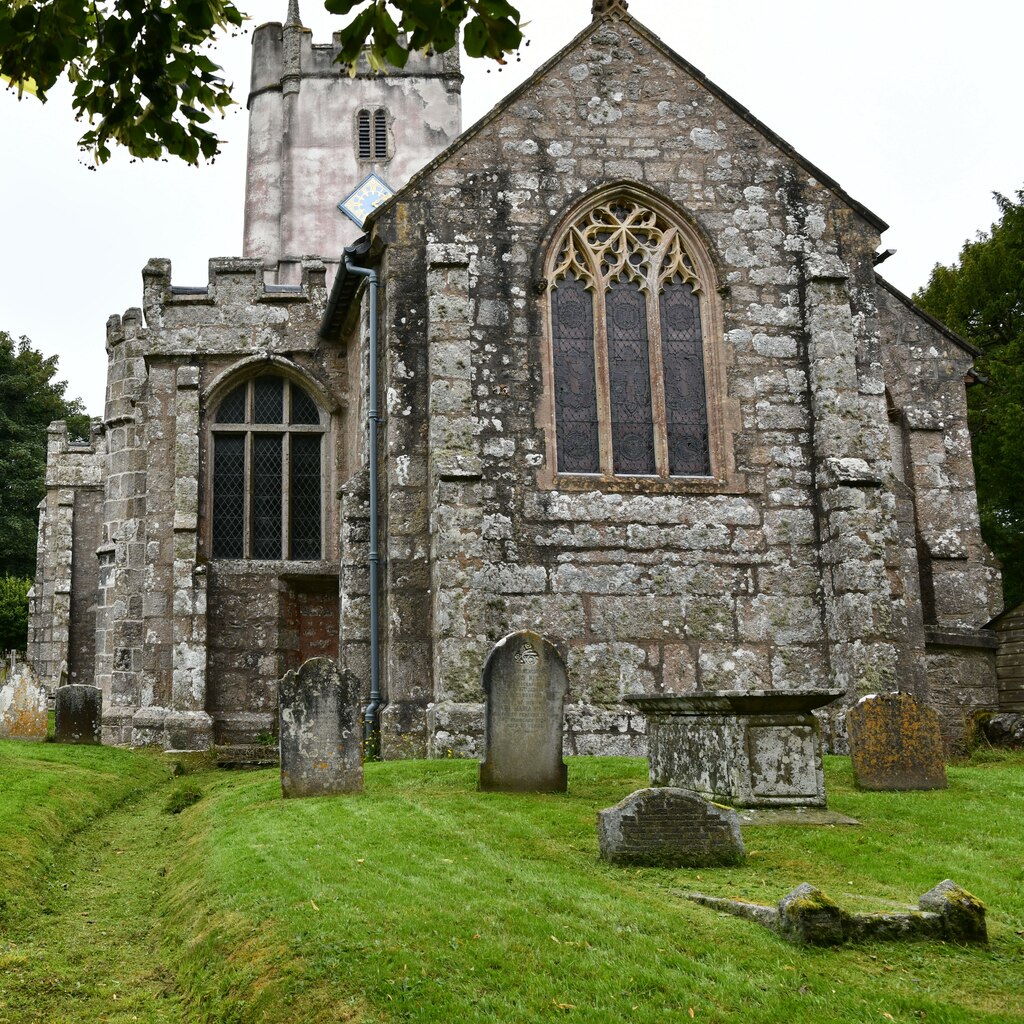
(423, 900)
(48, 792)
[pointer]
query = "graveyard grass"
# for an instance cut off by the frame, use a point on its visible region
(423, 900)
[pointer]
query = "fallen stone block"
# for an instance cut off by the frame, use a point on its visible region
(807, 917)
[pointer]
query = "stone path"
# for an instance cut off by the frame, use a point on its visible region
(92, 954)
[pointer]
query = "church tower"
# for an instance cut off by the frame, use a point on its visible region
(315, 134)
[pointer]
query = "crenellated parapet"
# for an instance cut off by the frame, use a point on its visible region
(236, 311)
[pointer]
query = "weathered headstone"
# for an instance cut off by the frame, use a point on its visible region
(895, 744)
(22, 705)
(78, 710)
(321, 731)
(669, 828)
(525, 683)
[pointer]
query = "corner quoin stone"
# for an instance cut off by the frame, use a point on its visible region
(669, 828)
(321, 737)
(78, 712)
(895, 744)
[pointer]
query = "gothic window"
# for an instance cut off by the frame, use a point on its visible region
(372, 132)
(627, 346)
(267, 490)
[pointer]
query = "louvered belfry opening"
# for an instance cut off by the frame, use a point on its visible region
(365, 150)
(267, 481)
(627, 346)
(372, 133)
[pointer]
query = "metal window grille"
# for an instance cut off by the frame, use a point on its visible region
(228, 495)
(305, 494)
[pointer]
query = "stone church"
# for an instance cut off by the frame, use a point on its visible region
(614, 365)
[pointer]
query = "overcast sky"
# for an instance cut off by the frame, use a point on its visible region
(913, 106)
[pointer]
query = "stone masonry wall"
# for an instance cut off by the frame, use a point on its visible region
(788, 576)
(63, 597)
(188, 646)
(958, 576)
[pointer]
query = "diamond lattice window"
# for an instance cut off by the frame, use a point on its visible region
(267, 482)
(627, 347)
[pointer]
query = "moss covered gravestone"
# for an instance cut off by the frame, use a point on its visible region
(321, 734)
(22, 705)
(895, 744)
(525, 683)
(77, 714)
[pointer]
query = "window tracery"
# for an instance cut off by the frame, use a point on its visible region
(627, 346)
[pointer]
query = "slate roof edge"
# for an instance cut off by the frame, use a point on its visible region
(927, 317)
(344, 288)
(741, 111)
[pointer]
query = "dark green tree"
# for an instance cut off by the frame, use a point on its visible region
(981, 297)
(143, 77)
(29, 400)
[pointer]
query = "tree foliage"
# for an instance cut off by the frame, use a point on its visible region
(982, 298)
(143, 79)
(14, 612)
(29, 400)
(138, 68)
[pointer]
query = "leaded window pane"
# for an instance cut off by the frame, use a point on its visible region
(682, 348)
(228, 495)
(268, 400)
(572, 309)
(629, 379)
(266, 495)
(305, 492)
(304, 409)
(232, 409)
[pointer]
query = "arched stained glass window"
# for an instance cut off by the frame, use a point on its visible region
(627, 346)
(267, 452)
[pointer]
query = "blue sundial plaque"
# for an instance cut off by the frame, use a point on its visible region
(370, 193)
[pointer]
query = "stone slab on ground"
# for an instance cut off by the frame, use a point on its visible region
(321, 731)
(669, 828)
(23, 705)
(895, 744)
(78, 713)
(806, 916)
(525, 682)
(752, 817)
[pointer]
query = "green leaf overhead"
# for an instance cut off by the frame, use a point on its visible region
(142, 77)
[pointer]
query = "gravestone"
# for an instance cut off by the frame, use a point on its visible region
(321, 731)
(895, 744)
(525, 683)
(669, 828)
(78, 710)
(22, 705)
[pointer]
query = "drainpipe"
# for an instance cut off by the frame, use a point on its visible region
(371, 718)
